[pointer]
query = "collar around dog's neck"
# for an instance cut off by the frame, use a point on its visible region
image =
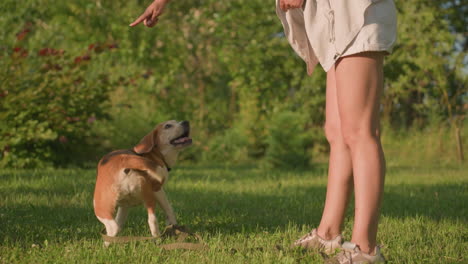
(163, 160)
(159, 155)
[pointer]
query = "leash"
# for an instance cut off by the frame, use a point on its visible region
(181, 232)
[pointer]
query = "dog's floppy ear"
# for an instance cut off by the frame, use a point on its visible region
(146, 144)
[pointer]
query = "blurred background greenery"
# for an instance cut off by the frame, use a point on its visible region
(76, 81)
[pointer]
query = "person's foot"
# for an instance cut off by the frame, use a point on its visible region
(312, 241)
(351, 254)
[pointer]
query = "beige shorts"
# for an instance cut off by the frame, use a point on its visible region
(325, 30)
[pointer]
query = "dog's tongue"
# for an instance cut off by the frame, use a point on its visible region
(182, 140)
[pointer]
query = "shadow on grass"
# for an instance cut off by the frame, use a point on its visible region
(221, 173)
(212, 211)
(303, 206)
(437, 201)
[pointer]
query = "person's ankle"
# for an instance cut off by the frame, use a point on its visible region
(369, 250)
(326, 233)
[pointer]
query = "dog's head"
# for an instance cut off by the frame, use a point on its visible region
(168, 137)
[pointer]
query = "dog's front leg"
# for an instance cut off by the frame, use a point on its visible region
(150, 203)
(161, 199)
(153, 222)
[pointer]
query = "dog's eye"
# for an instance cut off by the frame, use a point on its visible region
(167, 126)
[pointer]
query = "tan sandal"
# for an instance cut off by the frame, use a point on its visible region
(312, 241)
(351, 254)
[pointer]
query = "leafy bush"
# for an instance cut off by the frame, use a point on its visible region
(227, 147)
(48, 103)
(288, 141)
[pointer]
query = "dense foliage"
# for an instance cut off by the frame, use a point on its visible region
(224, 65)
(50, 103)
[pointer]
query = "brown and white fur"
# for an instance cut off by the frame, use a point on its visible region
(126, 178)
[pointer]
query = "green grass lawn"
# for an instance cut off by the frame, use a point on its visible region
(243, 213)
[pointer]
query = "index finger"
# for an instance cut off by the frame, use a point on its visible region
(139, 20)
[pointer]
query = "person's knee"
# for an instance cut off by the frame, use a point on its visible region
(333, 133)
(354, 134)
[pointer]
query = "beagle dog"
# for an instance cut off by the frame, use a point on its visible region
(135, 176)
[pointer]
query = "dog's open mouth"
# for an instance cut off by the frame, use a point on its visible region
(183, 139)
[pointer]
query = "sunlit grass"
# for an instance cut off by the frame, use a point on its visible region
(246, 215)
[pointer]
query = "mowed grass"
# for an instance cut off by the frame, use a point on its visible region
(245, 214)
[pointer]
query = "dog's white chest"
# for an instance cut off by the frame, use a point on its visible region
(129, 189)
(129, 186)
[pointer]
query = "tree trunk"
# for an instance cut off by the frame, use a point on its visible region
(458, 138)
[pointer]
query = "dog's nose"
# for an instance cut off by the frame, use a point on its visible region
(185, 124)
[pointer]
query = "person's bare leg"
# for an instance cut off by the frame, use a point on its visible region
(339, 168)
(359, 80)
